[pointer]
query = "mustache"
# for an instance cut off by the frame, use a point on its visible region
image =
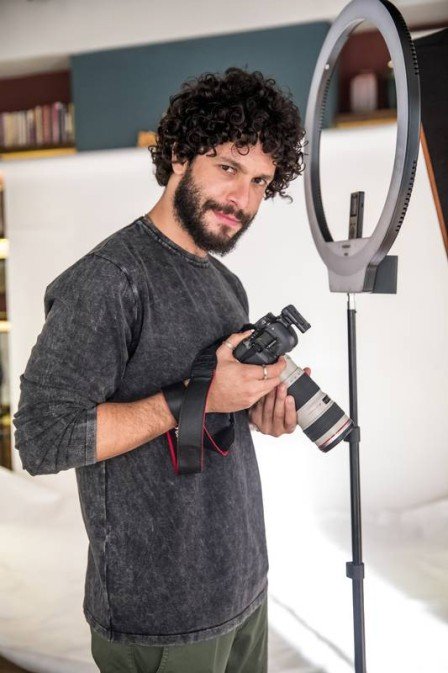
(227, 210)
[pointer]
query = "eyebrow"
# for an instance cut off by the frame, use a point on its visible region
(236, 164)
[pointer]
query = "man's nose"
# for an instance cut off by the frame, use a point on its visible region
(239, 195)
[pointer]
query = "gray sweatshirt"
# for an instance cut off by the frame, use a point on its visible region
(172, 559)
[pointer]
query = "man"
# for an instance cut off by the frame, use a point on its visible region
(177, 567)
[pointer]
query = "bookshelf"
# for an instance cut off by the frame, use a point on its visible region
(5, 420)
(37, 153)
(351, 119)
(36, 113)
(366, 51)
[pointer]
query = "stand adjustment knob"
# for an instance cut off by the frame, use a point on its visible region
(354, 435)
(355, 570)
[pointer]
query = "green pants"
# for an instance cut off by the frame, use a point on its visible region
(243, 650)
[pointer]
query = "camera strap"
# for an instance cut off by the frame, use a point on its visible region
(187, 404)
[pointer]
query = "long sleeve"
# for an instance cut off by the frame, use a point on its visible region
(77, 363)
(242, 294)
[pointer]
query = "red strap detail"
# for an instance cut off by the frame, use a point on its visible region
(203, 420)
(223, 453)
(215, 446)
(171, 437)
(172, 451)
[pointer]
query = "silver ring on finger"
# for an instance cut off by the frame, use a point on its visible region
(229, 344)
(265, 373)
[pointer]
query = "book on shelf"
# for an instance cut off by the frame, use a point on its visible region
(2, 211)
(47, 125)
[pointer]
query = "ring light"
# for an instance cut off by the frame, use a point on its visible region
(352, 263)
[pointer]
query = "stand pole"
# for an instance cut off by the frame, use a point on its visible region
(355, 569)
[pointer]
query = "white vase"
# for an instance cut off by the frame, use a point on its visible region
(364, 92)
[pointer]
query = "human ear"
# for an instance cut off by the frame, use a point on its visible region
(178, 167)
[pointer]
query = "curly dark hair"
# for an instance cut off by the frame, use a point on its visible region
(239, 107)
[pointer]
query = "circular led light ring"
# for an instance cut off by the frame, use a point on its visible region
(366, 253)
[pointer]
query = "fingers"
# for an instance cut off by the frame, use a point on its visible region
(268, 409)
(275, 414)
(265, 387)
(273, 371)
(233, 339)
(285, 415)
(256, 413)
(262, 388)
(279, 410)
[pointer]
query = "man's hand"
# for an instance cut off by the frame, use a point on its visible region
(275, 413)
(236, 385)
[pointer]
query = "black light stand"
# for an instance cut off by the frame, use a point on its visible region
(385, 283)
(355, 568)
(361, 263)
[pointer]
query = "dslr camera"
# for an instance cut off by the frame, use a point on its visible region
(320, 418)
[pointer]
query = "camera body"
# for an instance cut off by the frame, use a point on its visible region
(321, 419)
(273, 337)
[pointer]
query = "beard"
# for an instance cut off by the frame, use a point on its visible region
(189, 212)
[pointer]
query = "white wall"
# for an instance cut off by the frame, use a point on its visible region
(58, 209)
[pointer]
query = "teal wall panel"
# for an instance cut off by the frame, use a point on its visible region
(121, 91)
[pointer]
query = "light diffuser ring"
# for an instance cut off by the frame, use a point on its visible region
(352, 268)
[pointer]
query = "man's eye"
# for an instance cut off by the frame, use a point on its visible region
(262, 183)
(224, 166)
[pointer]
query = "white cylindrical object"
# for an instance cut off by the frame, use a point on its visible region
(364, 92)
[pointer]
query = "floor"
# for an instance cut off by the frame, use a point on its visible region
(284, 659)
